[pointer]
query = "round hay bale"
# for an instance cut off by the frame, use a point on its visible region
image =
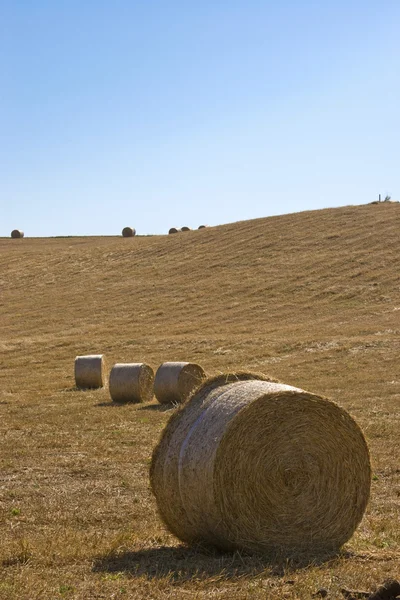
(255, 465)
(173, 230)
(131, 382)
(89, 371)
(17, 233)
(174, 381)
(202, 226)
(185, 228)
(128, 232)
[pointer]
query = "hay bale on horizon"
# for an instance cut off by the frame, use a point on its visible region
(173, 230)
(174, 381)
(89, 371)
(202, 227)
(131, 382)
(17, 233)
(255, 465)
(184, 228)
(128, 232)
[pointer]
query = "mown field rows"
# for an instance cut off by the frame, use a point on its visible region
(312, 299)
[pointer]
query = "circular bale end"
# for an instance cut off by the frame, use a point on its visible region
(173, 230)
(89, 371)
(185, 228)
(174, 381)
(202, 227)
(259, 466)
(128, 232)
(17, 233)
(131, 382)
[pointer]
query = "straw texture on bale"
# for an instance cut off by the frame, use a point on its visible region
(128, 232)
(174, 381)
(17, 233)
(185, 228)
(173, 230)
(89, 371)
(255, 465)
(131, 382)
(202, 226)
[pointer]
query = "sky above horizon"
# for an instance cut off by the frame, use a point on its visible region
(161, 114)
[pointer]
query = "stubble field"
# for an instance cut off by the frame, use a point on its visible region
(312, 299)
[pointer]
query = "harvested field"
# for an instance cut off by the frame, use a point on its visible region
(311, 299)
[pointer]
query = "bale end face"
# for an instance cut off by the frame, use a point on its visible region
(202, 226)
(17, 233)
(185, 228)
(173, 230)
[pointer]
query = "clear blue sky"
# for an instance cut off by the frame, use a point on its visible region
(167, 113)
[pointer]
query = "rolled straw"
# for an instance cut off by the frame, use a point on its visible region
(128, 232)
(174, 381)
(251, 464)
(131, 382)
(89, 371)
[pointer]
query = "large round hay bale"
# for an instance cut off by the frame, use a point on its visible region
(184, 228)
(131, 382)
(202, 226)
(128, 232)
(89, 371)
(17, 233)
(174, 381)
(173, 230)
(255, 465)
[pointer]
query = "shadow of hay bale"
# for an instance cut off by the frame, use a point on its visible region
(183, 564)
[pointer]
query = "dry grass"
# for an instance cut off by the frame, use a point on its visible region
(312, 299)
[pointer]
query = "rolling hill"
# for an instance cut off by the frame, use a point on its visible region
(312, 299)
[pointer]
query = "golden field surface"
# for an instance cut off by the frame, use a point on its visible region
(311, 299)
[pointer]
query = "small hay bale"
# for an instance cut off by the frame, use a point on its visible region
(202, 226)
(173, 230)
(128, 232)
(174, 381)
(89, 371)
(131, 382)
(17, 233)
(185, 228)
(251, 464)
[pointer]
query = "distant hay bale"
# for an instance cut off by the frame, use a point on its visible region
(173, 230)
(174, 381)
(131, 382)
(185, 228)
(89, 371)
(17, 233)
(128, 232)
(202, 226)
(251, 464)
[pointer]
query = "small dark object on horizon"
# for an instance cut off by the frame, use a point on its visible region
(128, 232)
(17, 233)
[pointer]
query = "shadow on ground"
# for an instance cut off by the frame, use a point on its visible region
(158, 407)
(182, 563)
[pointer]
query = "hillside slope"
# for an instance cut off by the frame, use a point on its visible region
(312, 299)
(250, 289)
